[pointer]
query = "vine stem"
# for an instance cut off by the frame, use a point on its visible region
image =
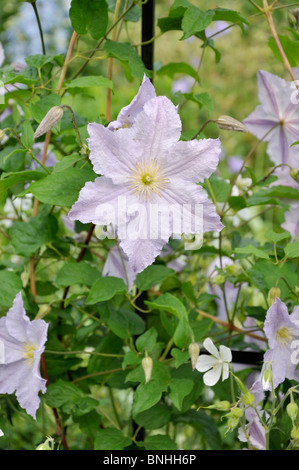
(39, 26)
(268, 13)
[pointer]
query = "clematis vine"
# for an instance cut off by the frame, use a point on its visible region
(282, 332)
(23, 343)
(277, 115)
(148, 189)
(216, 365)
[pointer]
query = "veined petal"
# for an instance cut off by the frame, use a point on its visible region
(157, 128)
(211, 377)
(194, 160)
(225, 371)
(99, 202)
(128, 113)
(211, 348)
(205, 362)
(16, 319)
(142, 252)
(117, 265)
(260, 122)
(112, 154)
(225, 353)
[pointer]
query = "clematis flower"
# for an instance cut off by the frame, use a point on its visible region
(148, 187)
(291, 223)
(23, 342)
(277, 108)
(254, 429)
(282, 332)
(215, 365)
(127, 115)
(117, 265)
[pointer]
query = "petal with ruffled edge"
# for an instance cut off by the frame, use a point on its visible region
(194, 160)
(128, 113)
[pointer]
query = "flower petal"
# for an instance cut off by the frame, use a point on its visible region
(128, 113)
(225, 353)
(211, 377)
(194, 160)
(211, 348)
(205, 362)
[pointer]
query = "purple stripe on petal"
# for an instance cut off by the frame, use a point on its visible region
(284, 146)
(270, 92)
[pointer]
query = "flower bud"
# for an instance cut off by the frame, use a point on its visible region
(2, 134)
(236, 413)
(218, 279)
(51, 118)
(248, 398)
(147, 365)
(273, 293)
(267, 376)
(292, 410)
(194, 351)
(47, 445)
(295, 433)
(294, 173)
(222, 405)
(230, 124)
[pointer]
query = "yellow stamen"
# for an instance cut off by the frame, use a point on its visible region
(28, 353)
(148, 178)
(284, 336)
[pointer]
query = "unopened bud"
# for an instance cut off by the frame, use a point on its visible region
(43, 311)
(248, 398)
(222, 405)
(218, 279)
(295, 433)
(267, 376)
(233, 269)
(292, 410)
(294, 173)
(236, 413)
(2, 134)
(274, 292)
(47, 445)
(230, 124)
(194, 351)
(51, 118)
(147, 365)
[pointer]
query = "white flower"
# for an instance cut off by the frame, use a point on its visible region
(1, 433)
(214, 365)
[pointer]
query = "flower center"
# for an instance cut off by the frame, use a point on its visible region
(28, 352)
(284, 336)
(147, 178)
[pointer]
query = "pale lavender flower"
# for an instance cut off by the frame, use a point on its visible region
(254, 429)
(117, 265)
(127, 115)
(291, 223)
(284, 178)
(215, 365)
(182, 85)
(23, 341)
(282, 332)
(279, 109)
(146, 172)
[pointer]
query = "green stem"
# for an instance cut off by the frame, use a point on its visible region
(39, 26)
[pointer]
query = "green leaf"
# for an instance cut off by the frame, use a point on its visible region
(195, 20)
(90, 81)
(276, 237)
(77, 273)
(84, 405)
(127, 55)
(147, 395)
(152, 275)
(182, 333)
(61, 189)
(203, 100)
(20, 177)
(290, 47)
(11, 285)
(155, 418)
(237, 202)
(39, 60)
(28, 237)
(61, 392)
(147, 341)
(27, 134)
(169, 303)
(179, 389)
(124, 323)
(292, 250)
(159, 442)
(220, 188)
(111, 439)
(180, 356)
(252, 250)
(89, 16)
(105, 289)
(178, 67)
(222, 14)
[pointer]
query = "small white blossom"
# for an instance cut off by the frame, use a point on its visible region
(215, 365)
